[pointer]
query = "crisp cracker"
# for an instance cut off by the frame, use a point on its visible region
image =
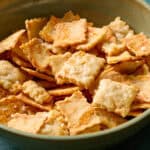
(124, 56)
(31, 102)
(46, 84)
(139, 45)
(38, 74)
(120, 29)
(78, 112)
(47, 33)
(10, 76)
(135, 113)
(34, 26)
(128, 67)
(19, 61)
(117, 97)
(95, 36)
(55, 124)
(36, 92)
(11, 41)
(63, 91)
(70, 16)
(38, 53)
(70, 33)
(142, 83)
(57, 61)
(140, 105)
(28, 123)
(109, 119)
(80, 69)
(10, 105)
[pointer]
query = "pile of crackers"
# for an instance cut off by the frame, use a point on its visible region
(64, 76)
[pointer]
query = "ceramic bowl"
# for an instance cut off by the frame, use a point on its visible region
(135, 12)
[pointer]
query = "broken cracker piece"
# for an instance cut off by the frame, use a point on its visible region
(70, 33)
(63, 91)
(36, 92)
(11, 41)
(55, 125)
(22, 97)
(95, 36)
(125, 56)
(140, 105)
(81, 69)
(28, 123)
(38, 74)
(114, 96)
(139, 45)
(34, 26)
(38, 53)
(78, 112)
(10, 76)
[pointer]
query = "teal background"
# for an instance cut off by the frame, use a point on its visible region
(140, 141)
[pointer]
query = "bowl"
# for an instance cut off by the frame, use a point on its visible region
(134, 12)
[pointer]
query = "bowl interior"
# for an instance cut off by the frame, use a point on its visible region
(100, 12)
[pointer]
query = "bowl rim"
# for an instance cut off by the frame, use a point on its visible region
(89, 135)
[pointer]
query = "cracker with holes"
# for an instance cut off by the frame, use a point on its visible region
(78, 112)
(114, 96)
(80, 69)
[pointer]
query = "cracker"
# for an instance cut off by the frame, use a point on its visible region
(38, 53)
(110, 120)
(10, 76)
(128, 67)
(19, 61)
(47, 33)
(137, 106)
(70, 16)
(11, 41)
(57, 61)
(124, 56)
(80, 69)
(55, 124)
(142, 83)
(139, 45)
(10, 105)
(46, 84)
(117, 97)
(36, 92)
(135, 113)
(28, 123)
(38, 74)
(31, 102)
(70, 33)
(34, 26)
(63, 91)
(95, 36)
(120, 29)
(78, 112)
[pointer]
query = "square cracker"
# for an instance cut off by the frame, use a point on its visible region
(38, 53)
(70, 33)
(81, 69)
(78, 112)
(139, 45)
(114, 96)
(39, 94)
(34, 26)
(28, 123)
(95, 36)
